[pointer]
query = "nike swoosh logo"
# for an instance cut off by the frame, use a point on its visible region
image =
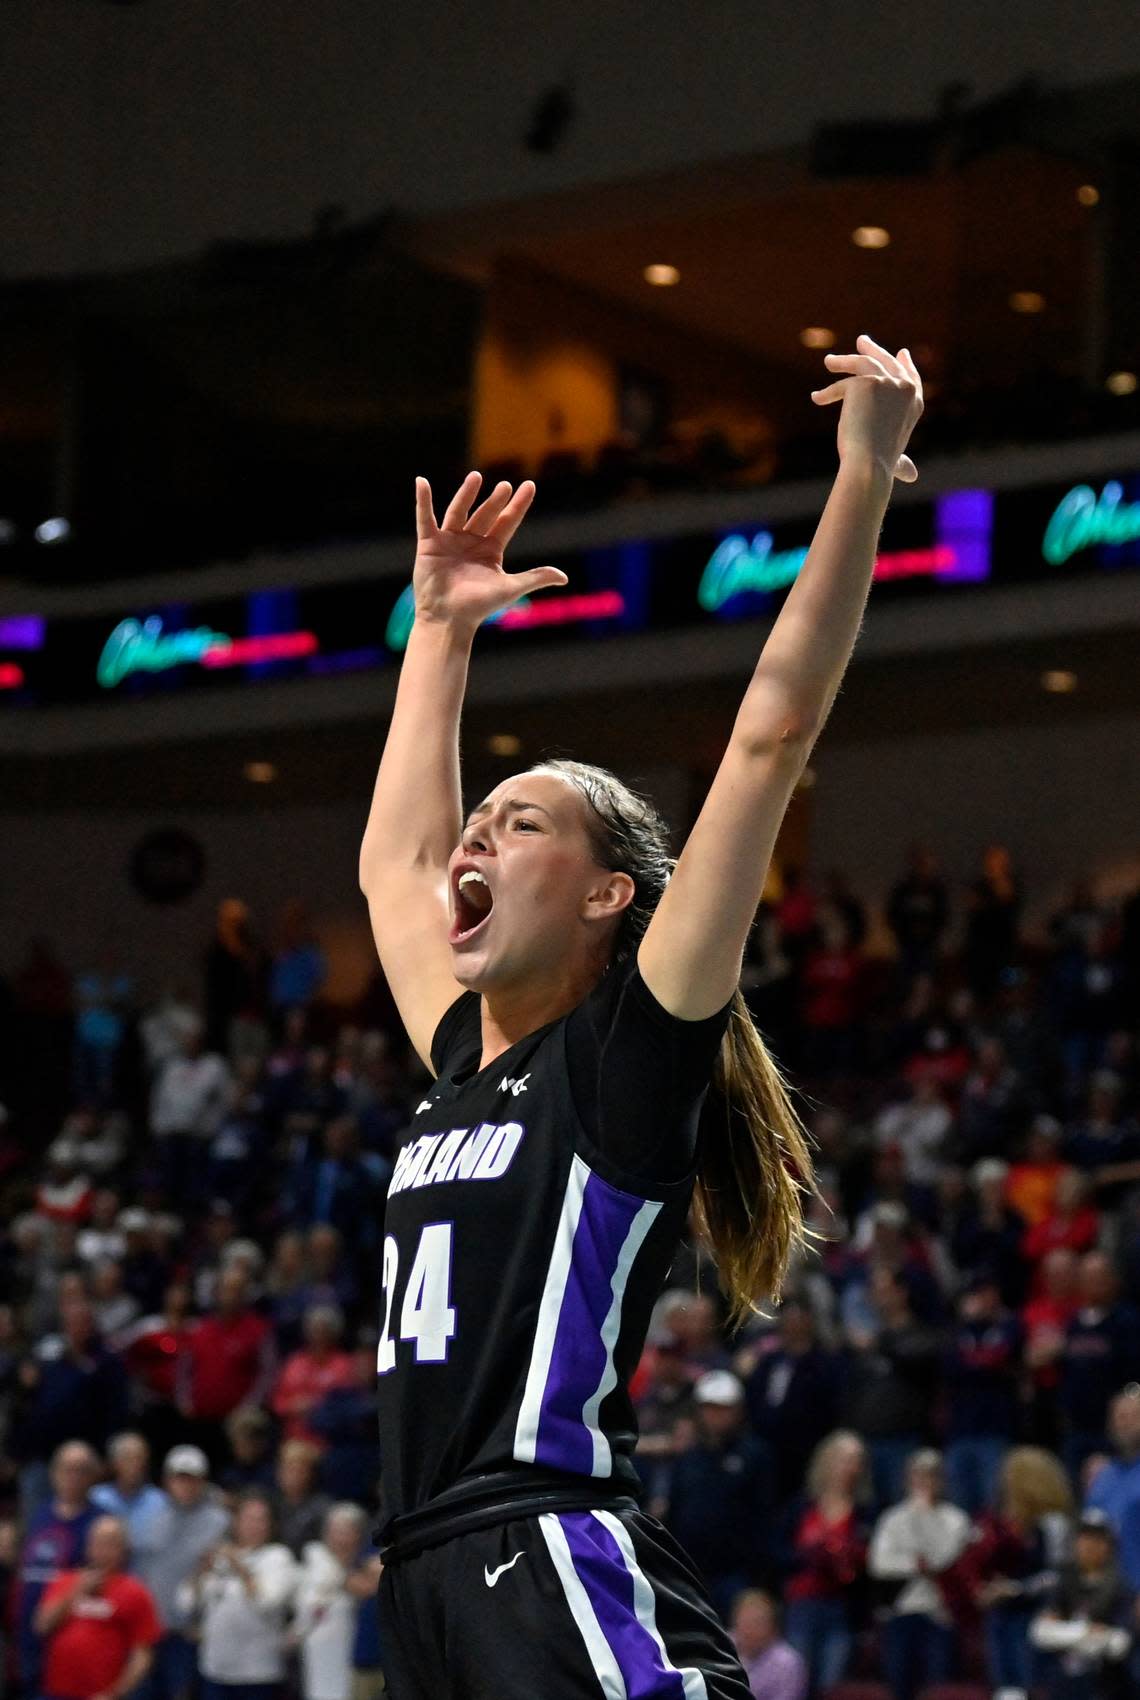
(492, 1576)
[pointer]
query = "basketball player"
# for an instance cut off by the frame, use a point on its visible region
(575, 998)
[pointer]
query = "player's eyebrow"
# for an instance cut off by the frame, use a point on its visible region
(514, 805)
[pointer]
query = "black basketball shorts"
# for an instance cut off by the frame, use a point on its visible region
(578, 1605)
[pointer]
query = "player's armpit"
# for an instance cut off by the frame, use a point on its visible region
(409, 916)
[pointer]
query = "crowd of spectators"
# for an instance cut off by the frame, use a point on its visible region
(924, 1463)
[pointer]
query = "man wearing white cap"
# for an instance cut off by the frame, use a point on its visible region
(720, 1493)
(191, 1524)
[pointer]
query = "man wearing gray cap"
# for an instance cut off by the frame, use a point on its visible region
(190, 1524)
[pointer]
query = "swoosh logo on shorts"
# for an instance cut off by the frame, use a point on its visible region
(492, 1576)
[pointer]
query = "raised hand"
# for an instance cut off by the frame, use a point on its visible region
(882, 403)
(459, 577)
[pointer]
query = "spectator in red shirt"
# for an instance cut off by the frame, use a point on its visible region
(829, 1556)
(830, 986)
(1072, 1223)
(1045, 1320)
(308, 1374)
(228, 1361)
(100, 1624)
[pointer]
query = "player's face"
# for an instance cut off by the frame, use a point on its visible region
(526, 895)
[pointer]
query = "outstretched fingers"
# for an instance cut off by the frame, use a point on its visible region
(890, 362)
(460, 504)
(513, 514)
(425, 513)
(488, 512)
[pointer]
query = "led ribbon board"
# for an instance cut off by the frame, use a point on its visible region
(143, 647)
(1084, 520)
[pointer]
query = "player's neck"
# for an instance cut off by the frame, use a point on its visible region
(511, 1013)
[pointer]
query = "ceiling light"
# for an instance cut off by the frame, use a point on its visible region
(817, 336)
(53, 531)
(1121, 383)
(871, 236)
(1088, 194)
(1059, 681)
(260, 772)
(662, 276)
(1027, 301)
(504, 744)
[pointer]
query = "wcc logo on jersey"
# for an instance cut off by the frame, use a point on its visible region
(482, 1153)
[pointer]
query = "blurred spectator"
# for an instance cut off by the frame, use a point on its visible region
(102, 1237)
(911, 1547)
(131, 1497)
(993, 904)
(228, 1361)
(102, 1007)
(190, 1525)
(918, 910)
(1072, 1224)
(920, 1126)
(113, 1307)
(767, 981)
(846, 905)
(831, 996)
(239, 1148)
(1101, 1354)
(76, 1389)
(187, 1105)
(693, 1319)
(992, 1103)
(311, 1372)
(1088, 1620)
(1013, 1561)
(328, 1604)
(55, 1540)
(299, 968)
(250, 1435)
(890, 1379)
(99, 1625)
(165, 1028)
(987, 1237)
(1045, 1321)
(796, 914)
(236, 974)
(982, 1370)
(1088, 995)
(720, 1491)
(339, 1188)
(1036, 1175)
(344, 1423)
(299, 1506)
(1105, 1144)
(828, 1560)
(1115, 1485)
(150, 1349)
(791, 1393)
(66, 1193)
(774, 1669)
(286, 1288)
(241, 1599)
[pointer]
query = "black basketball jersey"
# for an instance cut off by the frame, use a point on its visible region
(525, 1246)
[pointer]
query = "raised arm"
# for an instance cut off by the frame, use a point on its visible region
(690, 957)
(415, 820)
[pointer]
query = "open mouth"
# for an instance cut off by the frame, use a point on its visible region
(473, 902)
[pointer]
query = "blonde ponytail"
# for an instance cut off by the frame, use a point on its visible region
(755, 1169)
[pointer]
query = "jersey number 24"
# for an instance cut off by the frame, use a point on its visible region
(426, 1315)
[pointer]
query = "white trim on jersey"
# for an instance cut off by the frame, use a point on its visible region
(601, 1654)
(634, 1240)
(645, 1606)
(549, 1312)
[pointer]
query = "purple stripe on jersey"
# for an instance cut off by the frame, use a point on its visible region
(601, 1569)
(578, 1357)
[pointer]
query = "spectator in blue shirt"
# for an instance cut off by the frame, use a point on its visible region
(1101, 1354)
(299, 968)
(982, 1369)
(132, 1497)
(76, 1390)
(1115, 1488)
(55, 1540)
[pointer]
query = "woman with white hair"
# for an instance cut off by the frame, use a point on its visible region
(913, 1543)
(334, 1581)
